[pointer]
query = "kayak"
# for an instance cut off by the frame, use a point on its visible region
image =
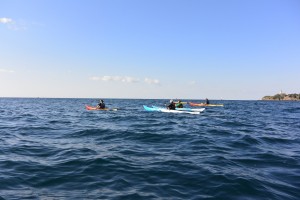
(95, 108)
(191, 109)
(151, 108)
(175, 111)
(184, 109)
(160, 109)
(178, 111)
(203, 104)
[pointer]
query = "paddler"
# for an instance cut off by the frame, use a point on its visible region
(179, 104)
(206, 101)
(171, 106)
(101, 104)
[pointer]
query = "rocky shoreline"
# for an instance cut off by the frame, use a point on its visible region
(283, 97)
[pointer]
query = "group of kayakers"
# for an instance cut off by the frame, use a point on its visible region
(173, 105)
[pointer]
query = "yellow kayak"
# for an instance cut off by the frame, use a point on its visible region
(204, 104)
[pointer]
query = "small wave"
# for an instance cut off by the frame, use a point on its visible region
(246, 150)
(91, 133)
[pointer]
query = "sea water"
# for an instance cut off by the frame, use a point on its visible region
(55, 149)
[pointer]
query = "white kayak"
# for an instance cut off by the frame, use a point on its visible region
(179, 111)
(175, 111)
(191, 109)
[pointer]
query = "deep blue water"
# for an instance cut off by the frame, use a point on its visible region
(55, 149)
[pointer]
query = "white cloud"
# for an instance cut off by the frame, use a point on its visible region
(6, 71)
(5, 20)
(128, 79)
(152, 81)
(192, 83)
(125, 79)
(95, 78)
(15, 25)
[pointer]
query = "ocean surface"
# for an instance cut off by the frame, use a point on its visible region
(55, 149)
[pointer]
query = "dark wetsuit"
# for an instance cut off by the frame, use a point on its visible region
(171, 106)
(101, 105)
(206, 101)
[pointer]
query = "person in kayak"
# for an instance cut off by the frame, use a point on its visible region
(171, 106)
(206, 101)
(101, 104)
(179, 104)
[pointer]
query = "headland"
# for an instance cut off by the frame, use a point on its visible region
(283, 97)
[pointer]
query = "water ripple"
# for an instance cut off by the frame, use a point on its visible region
(244, 150)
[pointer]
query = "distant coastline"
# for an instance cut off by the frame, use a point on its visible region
(283, 97)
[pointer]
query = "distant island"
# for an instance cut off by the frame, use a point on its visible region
(283, 97)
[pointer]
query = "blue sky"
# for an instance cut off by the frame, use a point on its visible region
(215, 49)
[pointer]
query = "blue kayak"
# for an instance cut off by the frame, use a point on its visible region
(151, 108)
